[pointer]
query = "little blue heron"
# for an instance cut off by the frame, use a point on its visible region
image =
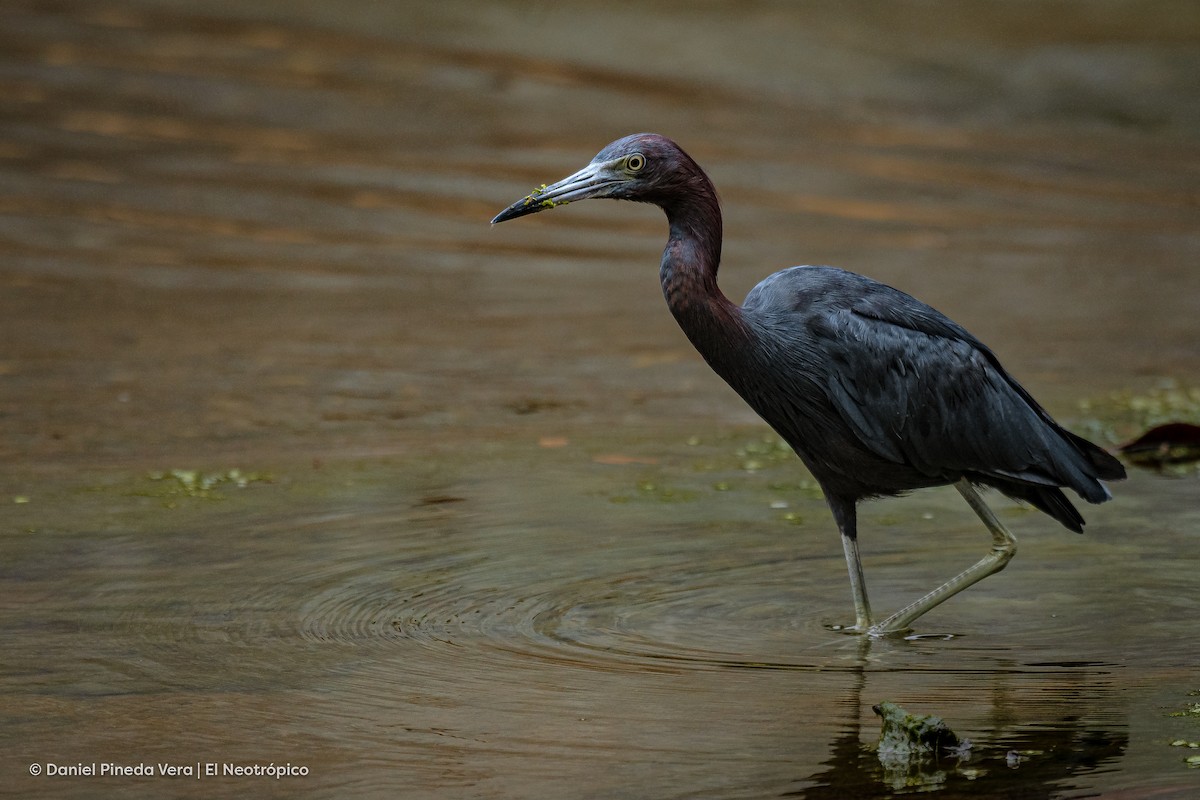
(875, 391)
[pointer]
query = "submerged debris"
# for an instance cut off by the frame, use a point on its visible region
(1172, 443)
(912, 745)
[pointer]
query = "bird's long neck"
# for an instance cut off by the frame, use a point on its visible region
(689, 272)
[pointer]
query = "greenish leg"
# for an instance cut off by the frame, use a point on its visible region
(858, 585)
(1004, 547)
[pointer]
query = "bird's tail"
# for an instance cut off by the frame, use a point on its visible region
(1084, 466)
(1052, 501)
(1105, 464)
(1079, 465)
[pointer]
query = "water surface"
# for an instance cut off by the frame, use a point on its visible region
(502, 534)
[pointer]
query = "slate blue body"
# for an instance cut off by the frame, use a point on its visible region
(878, 393)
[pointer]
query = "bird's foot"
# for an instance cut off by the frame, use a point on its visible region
(877, 631)
(881, 630)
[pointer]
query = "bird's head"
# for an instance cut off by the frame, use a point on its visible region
(644, 166)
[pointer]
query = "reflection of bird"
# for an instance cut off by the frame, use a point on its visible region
(875, 391)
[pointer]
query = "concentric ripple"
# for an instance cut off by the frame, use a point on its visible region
(671, 615)
(665, 619)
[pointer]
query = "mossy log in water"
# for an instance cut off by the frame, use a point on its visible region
(912, 745)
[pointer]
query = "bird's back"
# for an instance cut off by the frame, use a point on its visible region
(879, 393)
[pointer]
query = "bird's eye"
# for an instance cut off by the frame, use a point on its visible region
(635, 162)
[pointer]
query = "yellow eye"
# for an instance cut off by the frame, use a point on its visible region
(635, 162)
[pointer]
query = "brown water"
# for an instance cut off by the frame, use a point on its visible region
(503, 535)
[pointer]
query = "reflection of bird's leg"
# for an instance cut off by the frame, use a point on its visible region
(846, 514)
(1004, 547)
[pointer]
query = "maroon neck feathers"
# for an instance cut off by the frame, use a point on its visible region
(689, 266)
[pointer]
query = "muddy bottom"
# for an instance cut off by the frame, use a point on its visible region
(316, 485)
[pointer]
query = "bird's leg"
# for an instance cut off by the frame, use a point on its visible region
(846, 515)
(1004, 547)
(862, 606)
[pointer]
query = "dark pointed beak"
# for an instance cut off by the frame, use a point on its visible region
(594, 180)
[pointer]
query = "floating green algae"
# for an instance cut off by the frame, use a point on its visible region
(202, 485)
(1190, 711)
(755, 461)
(1122, 418)
(655, 491)
(1122, 415)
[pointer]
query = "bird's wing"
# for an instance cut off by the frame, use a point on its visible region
(918, 389)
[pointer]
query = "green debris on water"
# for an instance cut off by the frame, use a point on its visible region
(764, 452)
(1126, 415)
(732, 462)
(1189, 711)
(738, 453)
(656, 491)
(1121, 414)
(1192, 710)
(202, 485)
(805, 487)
